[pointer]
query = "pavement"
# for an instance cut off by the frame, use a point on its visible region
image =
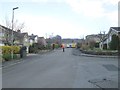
(59, 69)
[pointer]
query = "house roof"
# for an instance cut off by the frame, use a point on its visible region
(116, 28)
(41, 37)
(6, 28)
(32, 37)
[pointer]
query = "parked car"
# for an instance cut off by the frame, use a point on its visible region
(68, 46)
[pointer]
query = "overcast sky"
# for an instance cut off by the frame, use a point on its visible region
(68, 18)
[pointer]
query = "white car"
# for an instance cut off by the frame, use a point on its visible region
(68, 45)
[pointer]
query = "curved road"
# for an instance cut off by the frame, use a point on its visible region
(59, 69)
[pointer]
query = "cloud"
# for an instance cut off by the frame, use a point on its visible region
(41, 25)
(95, 9)
(24, 1)
(90, 8)
(112, 17)
(112, 2)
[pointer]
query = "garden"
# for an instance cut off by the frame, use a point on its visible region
(94, 49)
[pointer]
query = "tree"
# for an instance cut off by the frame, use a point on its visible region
(79, 45)
(92, 44)
(16, 24)
(114, 44)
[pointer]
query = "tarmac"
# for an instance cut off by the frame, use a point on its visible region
(75, 52)
(101, 82)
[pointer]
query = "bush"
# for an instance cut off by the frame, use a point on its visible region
(96, 45)
(6, 52)
(79, 45)
(93, 52)
(57, 45)
(8, 57)
(92, 44)
(84, 47)
(35, 48)
(31, 49)
(48, 46)
(114, 44)
(8, 49)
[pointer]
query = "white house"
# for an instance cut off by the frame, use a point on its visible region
(107, 39)
(33, 39)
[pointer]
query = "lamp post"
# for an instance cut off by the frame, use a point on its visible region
(12, 28)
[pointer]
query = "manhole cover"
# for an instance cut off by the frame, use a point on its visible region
(111, 67)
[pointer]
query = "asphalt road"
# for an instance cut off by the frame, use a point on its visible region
(59, 69)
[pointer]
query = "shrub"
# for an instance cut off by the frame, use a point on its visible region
(6, 52)
(16, 49)
(48, 46)
(96, 45)
(8, 49)
(57, 46)
(8, 57)
(79, 45)
(84, 47)
(92, 44)
(114, 44)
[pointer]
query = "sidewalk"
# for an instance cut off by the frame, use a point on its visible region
(79, 53)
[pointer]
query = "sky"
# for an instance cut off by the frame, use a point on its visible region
(67, 18)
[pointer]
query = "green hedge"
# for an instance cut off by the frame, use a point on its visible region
(8, 57)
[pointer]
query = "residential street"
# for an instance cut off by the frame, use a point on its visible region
(59, 69)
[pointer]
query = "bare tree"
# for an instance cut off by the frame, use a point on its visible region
(8, 23)
(16, 24)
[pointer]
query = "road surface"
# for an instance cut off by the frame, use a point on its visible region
(59, 69)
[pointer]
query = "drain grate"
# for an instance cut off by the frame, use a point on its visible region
(111, 67)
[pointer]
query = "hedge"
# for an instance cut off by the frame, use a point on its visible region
(92, 52)
(8, 57)
(8, 49)
(6, 52)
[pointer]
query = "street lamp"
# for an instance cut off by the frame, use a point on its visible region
(12, 27)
